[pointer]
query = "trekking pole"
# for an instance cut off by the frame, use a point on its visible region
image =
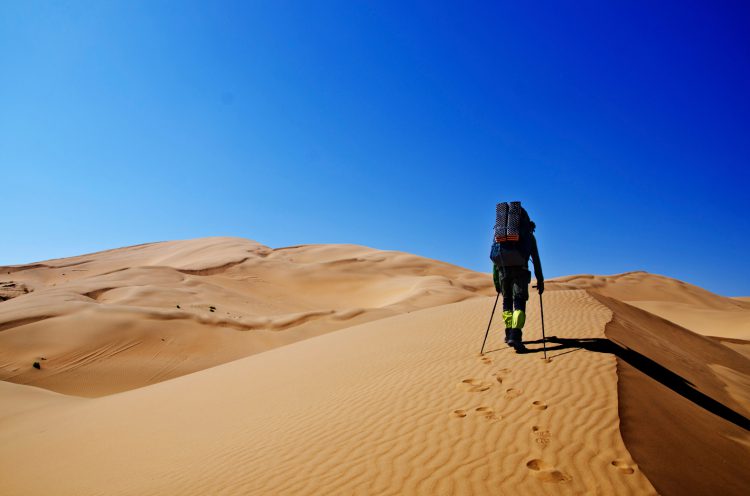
(544, 338)
(489, 324)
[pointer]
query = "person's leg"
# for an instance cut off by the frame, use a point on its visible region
(506, 286)
(519, 308)
(520, 289)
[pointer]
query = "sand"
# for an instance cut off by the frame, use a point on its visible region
(122, 319)
(687, 305)
(397, 403)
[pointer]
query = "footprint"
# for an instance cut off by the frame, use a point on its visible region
(458, 413)
(539, 405)
(542, 436)
(499, 375)
(486, 412)
(486, 360)
(474, 385)
(623, 467)
(546, 472)
(513, 393)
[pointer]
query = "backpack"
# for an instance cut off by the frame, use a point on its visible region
(513, 228)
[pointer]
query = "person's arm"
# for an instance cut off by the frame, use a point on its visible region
(537, 265)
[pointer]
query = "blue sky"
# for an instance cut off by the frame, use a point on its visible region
(622, 127)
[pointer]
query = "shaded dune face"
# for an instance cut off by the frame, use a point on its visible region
(685, 391)
(124, 318)
(683, 378)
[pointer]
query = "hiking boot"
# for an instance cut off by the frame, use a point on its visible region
(516, 340)
(507, 334)
(514, 336)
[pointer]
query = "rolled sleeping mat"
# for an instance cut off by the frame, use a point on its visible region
(501, 221)
(513, 230)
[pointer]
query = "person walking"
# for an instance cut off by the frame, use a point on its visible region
(514, 244)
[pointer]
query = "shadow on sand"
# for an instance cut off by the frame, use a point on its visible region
(643, 364)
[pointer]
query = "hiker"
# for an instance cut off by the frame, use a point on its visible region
(514, 243)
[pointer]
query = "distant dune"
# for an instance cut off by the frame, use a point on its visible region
(689, 306)
(122, 319)
(210, 366)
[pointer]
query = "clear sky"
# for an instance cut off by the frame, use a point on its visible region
(623, 127)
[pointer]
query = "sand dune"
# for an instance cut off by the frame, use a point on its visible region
(121, 319)
(415, 412)
(684, 304)
(686, 391)
(642, 286)
(396, 401)
(728, 323)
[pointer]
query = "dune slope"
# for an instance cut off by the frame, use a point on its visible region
(176, 380)
(684, 304)
(402, 405)
(686, 392)
(121, 319)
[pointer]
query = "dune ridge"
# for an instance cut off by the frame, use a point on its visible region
(695, 399)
